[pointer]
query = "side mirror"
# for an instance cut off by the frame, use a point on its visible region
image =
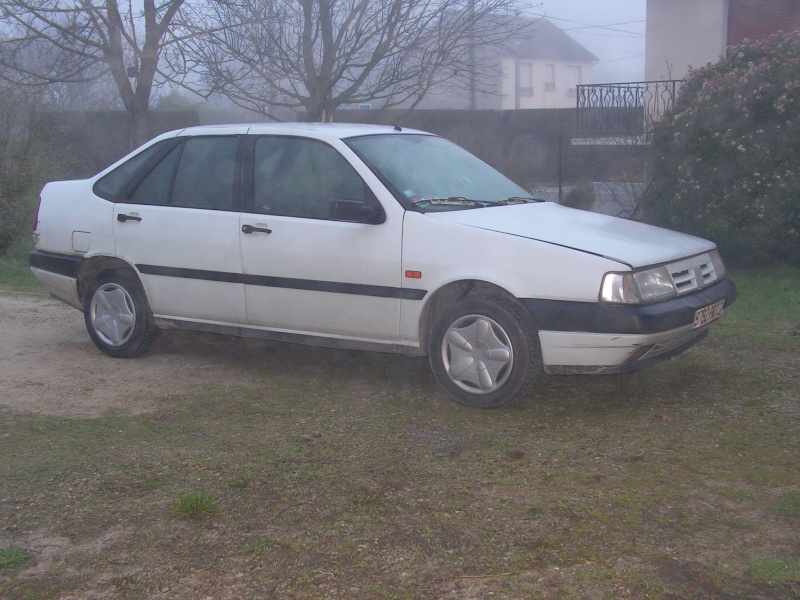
(356, 211)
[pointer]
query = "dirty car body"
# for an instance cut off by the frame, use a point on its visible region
(374, 238)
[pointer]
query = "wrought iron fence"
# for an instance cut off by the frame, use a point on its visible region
(623, 109)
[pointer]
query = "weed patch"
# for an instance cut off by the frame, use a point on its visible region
(776, 572)
(12, 558)
(790, 505)
(194, 505)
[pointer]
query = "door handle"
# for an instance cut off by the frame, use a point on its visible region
(253, 229)
(121, 217)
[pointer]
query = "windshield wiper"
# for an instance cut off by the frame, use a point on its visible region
(460, 201)
(452, 201)
(516, 200)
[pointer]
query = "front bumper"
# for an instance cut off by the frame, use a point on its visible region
(580, 337)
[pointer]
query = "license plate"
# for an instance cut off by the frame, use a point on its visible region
(704, 316)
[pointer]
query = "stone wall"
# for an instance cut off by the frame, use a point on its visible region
(95, 139)
(532, 147)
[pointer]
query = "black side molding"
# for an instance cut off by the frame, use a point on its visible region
(60, 264)
(357, 289)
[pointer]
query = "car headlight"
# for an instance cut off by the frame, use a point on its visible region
(719, 266)
(639, 287)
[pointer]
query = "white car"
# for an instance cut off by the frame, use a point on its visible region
(369, 237)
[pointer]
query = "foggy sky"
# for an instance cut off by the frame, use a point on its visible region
(612, 30)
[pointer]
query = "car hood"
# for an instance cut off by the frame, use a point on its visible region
(635, 244)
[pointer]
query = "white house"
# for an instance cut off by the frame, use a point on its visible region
(683, 33)
(691, 33)
(538, 69)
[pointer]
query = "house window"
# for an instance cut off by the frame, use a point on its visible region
(550, 77)
(525, 78)
(573, 80)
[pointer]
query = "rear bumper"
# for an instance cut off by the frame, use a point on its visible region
(581, 337)
(59, 264)
(59, 274)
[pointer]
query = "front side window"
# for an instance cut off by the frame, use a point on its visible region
(298, 177)
(430, 173)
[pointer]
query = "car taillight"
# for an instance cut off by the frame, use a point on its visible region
(36, 214)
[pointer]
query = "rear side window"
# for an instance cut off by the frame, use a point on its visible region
(110, 186)
(199, 173)
(206, 174)
(154, 189)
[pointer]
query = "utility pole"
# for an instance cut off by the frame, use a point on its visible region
(473, 92)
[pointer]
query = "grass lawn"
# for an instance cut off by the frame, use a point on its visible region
(14, 272)
(337, 474)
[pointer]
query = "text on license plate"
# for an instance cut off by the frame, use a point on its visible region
(708, 314)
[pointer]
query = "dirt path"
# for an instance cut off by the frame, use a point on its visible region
(48, 365)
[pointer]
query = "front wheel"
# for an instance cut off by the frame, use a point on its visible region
(117, 315)
(484, 352)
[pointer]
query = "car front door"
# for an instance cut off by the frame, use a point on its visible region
(180, 227)
(320, 257)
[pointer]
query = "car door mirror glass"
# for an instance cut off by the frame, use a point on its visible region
(356, 211)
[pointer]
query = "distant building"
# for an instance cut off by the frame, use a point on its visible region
(539, 69)
(691, 33)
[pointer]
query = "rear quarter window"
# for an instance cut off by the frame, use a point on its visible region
(111, 185)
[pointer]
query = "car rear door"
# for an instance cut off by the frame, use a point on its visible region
(180, 228)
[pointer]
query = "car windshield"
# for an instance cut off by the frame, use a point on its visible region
(433, 174)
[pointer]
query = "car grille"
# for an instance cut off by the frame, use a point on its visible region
(693, 273)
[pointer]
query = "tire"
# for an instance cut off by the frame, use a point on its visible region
(117, 315)
(484, 352)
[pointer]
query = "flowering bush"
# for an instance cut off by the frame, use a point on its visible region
(726, 162)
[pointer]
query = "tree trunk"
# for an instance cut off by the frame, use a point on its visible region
(320, 110)
(140, 124)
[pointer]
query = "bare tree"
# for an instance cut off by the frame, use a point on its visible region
(55, 41)
(100, 94)
(316, 55)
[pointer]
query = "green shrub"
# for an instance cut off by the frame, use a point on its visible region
(29, 156)
(12, 217)
(580, 196)
(15, 184)
(725, 161)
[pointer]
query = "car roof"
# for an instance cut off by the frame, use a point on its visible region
(315, 130)
(321, 131)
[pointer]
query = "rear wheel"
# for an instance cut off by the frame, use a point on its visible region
(484, 352)
(117, 315)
